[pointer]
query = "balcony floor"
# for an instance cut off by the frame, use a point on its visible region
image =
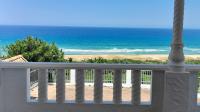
(107, 93)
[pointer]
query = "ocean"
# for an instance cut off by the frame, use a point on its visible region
(94, 40)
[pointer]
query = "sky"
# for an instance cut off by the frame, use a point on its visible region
(97, 13)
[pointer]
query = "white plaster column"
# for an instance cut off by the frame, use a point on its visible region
(2, 97)
(13, 90)
(179, 85)
(176, 56)
(72, 76)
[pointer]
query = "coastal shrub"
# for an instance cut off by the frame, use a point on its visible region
(35, 50)
(123, 61)
(192, 61)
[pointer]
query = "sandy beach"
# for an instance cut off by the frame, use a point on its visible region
(133, 57)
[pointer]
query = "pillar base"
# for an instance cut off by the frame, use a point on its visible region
(179, 91)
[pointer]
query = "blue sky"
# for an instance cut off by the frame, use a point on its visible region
(98, 13)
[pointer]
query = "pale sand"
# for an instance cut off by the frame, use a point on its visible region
(133, 57)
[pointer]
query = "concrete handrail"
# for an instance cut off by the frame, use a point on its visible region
(82, 65)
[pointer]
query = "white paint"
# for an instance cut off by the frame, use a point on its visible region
(13, 93)
(176, 56)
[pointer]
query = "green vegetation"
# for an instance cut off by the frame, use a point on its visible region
(123, 61)
(35, 50)
(130, 61)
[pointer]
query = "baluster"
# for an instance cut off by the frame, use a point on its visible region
(60, 86)
(28, 84)
(136, 82)
(98, 86)
(42, 85)
(117, 86)
(158, 79)
(79, 86)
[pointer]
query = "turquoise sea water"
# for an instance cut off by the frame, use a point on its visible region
(91, 40)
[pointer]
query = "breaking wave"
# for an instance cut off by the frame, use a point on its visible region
(112, 51)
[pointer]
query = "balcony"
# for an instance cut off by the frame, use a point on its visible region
(15, 88)
(174, 86)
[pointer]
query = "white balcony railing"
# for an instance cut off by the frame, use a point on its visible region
(15, 88)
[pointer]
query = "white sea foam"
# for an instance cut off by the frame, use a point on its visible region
(187, 50)
(192, 49)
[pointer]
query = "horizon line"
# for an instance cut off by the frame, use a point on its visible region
(122, 27)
